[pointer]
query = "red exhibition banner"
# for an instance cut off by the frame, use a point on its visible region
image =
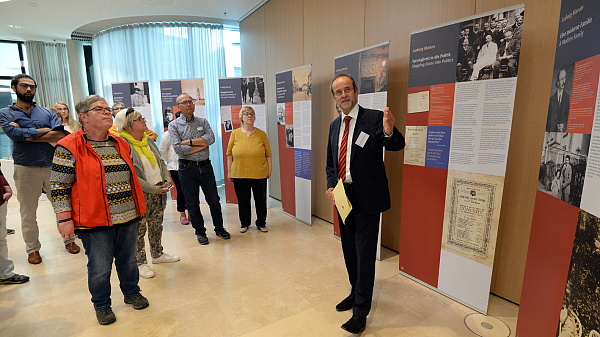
(460, 106)
(235, 93)
(561, 294)
(294, 131)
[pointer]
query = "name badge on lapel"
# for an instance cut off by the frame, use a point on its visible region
(200, 128)
(362, 139)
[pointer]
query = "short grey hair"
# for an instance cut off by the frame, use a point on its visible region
(114, 106)
(84, 104)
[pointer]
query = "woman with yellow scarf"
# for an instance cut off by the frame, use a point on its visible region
(153, 176)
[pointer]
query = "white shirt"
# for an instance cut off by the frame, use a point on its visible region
(487, 55)
(354, 114)
(168, 152)
(152, 172)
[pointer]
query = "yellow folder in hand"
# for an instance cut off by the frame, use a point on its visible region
(341, 201)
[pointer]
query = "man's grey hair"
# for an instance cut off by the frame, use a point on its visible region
(84, 104)
(342, 75)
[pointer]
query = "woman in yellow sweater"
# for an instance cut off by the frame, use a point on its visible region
(249, 166)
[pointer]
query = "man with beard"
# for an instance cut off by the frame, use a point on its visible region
(32, 129)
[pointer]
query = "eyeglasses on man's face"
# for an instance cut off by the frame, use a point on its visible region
(25, 86)
(190, 102)
(340, 92)
(100, 110)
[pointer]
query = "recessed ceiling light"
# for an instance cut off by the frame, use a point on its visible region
(13, 26)
(4, 0)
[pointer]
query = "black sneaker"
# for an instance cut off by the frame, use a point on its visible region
(202, 239)
(10, 231)
(15, 279)
(223, 233)
(138, 301)
(105, 316)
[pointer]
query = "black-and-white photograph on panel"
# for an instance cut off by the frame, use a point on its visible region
(563, 164)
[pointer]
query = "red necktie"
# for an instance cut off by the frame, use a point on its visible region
(343, 150)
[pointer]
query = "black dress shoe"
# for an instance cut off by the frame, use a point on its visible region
(355, 324)
(345, 304)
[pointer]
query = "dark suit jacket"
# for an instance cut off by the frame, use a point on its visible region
(466, 56)
(497, 35)
(366, 163)
(512, 48)
(558, 113)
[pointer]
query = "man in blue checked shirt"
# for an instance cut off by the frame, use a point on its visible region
(191, 137)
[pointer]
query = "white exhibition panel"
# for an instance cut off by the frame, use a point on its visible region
(465, 280)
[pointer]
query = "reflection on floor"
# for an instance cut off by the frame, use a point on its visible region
(282, 283)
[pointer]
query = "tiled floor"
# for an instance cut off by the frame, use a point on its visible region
(282, 283)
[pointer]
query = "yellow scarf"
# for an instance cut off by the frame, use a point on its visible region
(140, 146)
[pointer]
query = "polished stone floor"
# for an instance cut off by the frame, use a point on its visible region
(282, 283)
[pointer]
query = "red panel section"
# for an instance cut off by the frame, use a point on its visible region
(441, 104)
(423, 199)
(583, 96)
(235, 116)
(419, 118)
(289, 113)
(548, 259)
(418, 89)
(286, 172)
(230, 196)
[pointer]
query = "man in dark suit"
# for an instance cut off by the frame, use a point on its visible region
(497, 32)
(479, 39)
(365, 182)
(508, 54)
(558, 110)
(466, 58)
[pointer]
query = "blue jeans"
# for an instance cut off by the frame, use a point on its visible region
(193, 177)
(101, 248)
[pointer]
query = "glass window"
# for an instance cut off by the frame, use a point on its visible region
(10, 62)
(233, 56)
(7, 96)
